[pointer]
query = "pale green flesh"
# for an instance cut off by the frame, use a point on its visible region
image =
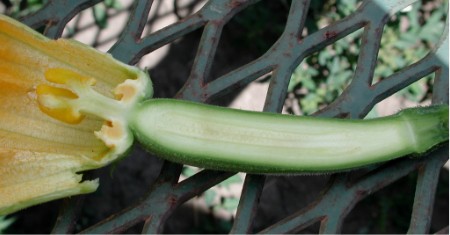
(236, 140)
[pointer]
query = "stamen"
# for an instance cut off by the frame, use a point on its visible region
(111, 133)
(43, 89)
(71, 96)
(126, 91)
(68, 77)
(76, 96)
(57, 103)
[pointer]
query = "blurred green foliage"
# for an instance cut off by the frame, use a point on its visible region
(216, 203)
(408, 37)
(5, 223)
(19, 8)
(100, 11)
(210, 196)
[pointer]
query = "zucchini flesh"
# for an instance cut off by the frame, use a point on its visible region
(237, 140)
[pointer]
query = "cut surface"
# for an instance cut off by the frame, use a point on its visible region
(226, 139)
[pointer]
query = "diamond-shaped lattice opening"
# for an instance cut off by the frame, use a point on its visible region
(168, 68)
(99, 26)
(386, 210)
(240, 41)
(299, 191)
(322, 77)
(163, 14)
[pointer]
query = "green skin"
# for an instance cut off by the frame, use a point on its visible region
(236, 140)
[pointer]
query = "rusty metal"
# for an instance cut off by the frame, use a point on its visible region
(343, 193)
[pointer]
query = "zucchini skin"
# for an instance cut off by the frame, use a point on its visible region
(236, 140)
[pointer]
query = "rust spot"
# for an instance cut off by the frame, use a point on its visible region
(236, 3)
(343, 115)
(359, 194)
(213, 40)
(149, 218)
(378, 30)
(172, 200)
(51, 22)
(330, 34)
(287, 54)
(204, 97)
(203, 85)
(365, 41)
(217, 23)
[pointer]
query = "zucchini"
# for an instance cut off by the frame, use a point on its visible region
(236, 140)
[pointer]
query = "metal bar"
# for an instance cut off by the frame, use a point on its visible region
(274, 102)
(170, 173)
(199, 182)
(211, 11)
(337, 204)
(68, 214)
(425, 193)
(119, 222)
(443, 231)
(151, 209)
(277, 92)
(55, 19)
(280, 78)
(270, 60)
(403, 78)
(177, 195)
(159, 205)
(440, 87)
(235, 79)
(331, 225)
(248, 204)
(204, 59)
(314, 212)
(166, 35)
(206, 51)
(132, 31)
(342, 195)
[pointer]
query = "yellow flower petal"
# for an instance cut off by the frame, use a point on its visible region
(40, 155)
(29, 178)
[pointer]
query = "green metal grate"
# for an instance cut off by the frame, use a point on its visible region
(343, 192)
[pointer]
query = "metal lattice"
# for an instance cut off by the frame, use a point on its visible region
(344, 192)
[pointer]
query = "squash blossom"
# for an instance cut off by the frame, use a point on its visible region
(63, 108)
